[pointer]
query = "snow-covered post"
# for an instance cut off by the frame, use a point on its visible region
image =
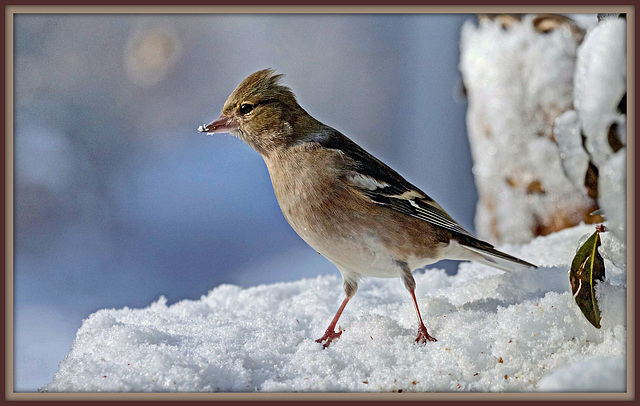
(529, 116)
(600, 117)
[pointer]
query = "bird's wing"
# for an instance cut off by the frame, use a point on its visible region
(384, 186)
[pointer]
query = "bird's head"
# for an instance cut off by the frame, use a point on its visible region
(262, 112)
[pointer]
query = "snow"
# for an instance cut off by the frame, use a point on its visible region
(606, 372)
(600, 82)
(573, 157)
(613, 192)
(518, 82)
(532, 99)
(497, 332)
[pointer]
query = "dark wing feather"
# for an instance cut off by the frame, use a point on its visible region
(389, 189)
(365, 163)
(420, 209)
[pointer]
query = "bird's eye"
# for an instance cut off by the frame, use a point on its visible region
(246, 108)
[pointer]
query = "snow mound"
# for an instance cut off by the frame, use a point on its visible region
(519, 331)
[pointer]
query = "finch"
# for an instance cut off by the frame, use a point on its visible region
(349, 206)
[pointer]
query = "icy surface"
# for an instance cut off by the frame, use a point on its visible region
(496, 331)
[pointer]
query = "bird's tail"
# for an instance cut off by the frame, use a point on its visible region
(490, 256)
(469, 248)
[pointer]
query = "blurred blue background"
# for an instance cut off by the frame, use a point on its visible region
(118, 198)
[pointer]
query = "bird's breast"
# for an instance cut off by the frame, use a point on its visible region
(339, 222)
(322, 210)
(306, 185)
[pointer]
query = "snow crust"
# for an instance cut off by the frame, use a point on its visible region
(496, 331)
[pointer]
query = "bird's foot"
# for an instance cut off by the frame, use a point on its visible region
(329, 336)
(423, 336)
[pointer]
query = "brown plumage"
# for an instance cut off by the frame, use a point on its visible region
(346, 204)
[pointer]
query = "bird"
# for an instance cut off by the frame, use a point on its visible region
(346, 204)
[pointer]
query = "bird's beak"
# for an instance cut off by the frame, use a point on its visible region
(219, 125)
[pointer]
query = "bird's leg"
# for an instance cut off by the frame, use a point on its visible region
(350, 287)
(331, 333)
(410, 284)
(423, 335)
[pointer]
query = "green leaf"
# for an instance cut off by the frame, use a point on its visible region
(587, 268)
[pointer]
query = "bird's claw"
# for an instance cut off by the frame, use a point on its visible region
(329, 336)
(423, 336)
